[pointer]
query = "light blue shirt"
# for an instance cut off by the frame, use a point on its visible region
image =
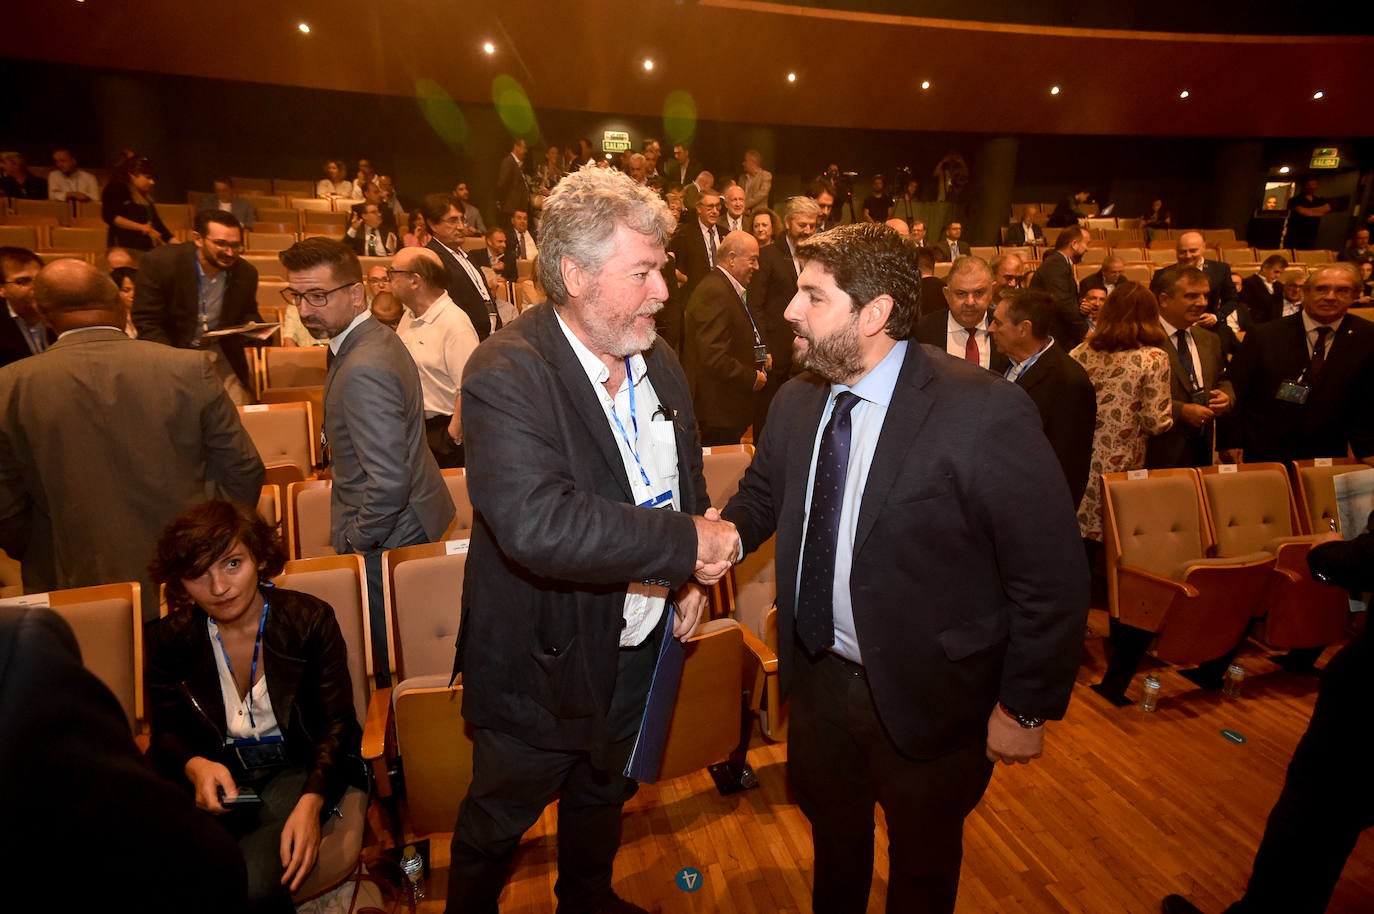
(874, 391)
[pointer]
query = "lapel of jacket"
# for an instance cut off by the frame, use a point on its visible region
(908, 412)
(584, 399)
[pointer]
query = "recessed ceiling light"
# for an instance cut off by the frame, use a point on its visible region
(648, 64)
(1054, 90)
(1184, 94)
(488, 47)
(925, 84)
(1318, 95)
(1284, 170)
(791, 77)
(305, 29)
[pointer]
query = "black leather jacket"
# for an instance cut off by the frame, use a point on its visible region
(305, 662)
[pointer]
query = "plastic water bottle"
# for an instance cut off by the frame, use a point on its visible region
(1235, 676)
(414, 868)
(1149, 693)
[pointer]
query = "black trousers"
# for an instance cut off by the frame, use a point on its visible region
(1327, 797)
(447, 453)
(840, 761)
(512, 782)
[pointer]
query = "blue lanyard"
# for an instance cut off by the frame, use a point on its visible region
(200, 295)
(629, 379)
(253, 669)
(1025, 366)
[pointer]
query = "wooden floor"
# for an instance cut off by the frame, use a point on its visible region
(1124, 808)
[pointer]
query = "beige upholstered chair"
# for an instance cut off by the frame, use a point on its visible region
(341, 582)
(308, 520)
(294, 366)
(1164, 588)
(457, 481)
(1316, 493)
(281, 432)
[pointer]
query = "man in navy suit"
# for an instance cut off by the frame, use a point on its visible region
(931, 594)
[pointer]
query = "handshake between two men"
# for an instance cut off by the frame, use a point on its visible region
(718, 547)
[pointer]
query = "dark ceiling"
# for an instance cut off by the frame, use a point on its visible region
(728, 60)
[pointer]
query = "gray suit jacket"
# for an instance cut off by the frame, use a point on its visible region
(103, 441)
(387, 488)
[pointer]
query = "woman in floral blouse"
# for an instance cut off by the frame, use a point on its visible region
(1131, 376)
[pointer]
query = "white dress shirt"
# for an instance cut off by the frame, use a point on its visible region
(956, 339)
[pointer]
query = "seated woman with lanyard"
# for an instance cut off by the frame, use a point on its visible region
(249, 697)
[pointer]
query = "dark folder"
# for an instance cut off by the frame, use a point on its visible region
(647, 756)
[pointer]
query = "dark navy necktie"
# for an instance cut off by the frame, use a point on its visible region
(815, 594)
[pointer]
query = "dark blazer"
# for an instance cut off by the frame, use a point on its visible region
(718, 354)
(305, 663)
(770, 292)
(1183, 445)
(83, 502)
(464, 292)
(13, 346)
(1016, 234)
(1261, 304)
(1064, 394)
(387, 490)
(1055, 276)
(505, 269)
(933, 330)
(512, 187)
(689, 246)
(1095, 281)
(167, 302)
(556, 537)
(968, 582)
(64, 735)
(1336, 414)
(676, 173)
(943, 253)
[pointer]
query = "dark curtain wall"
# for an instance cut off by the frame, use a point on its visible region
(196, 128)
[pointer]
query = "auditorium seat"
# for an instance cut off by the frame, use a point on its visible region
(269, 294)
(456, 480)
(344, 204)
(77, 239)
(1162, 257)
(1129, 253)
(271, 242)
(1100, 223)
(1216, 236)
(1263, 254)
(108, 622)
(252, 185)
(285, 186)
(311, 204)
(1023, 251)
(942, 270)
(339, 581)
(312, 395)
(177, 216)
(1316, 492)
(31, 237)
(269, 266)
(332, 224)
(281, 433)
(60, 211)
(1238, 255)
(474, 244)
(1094, 256)
(293, 366)
(1170, 595)
(526, 294)
(276, 228)
(1312, 258)
(308, 519)
(270, 506)
(986, 252)
(1251, 509)
(705, 725)
(262, 201)
(419, 721)
(280, 215)
(1245, 269)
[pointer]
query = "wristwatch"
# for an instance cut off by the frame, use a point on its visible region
(1027, 722)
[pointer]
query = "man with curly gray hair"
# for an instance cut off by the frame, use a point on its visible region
(586, 480)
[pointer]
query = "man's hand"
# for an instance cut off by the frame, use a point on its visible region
(1011, 743)
(1231, 455)
(1208, 319)
(718, 546)
(760, 379)
(207, 779)
(1218, 402)
(690, 601)
(1195, 415)
(300, 840)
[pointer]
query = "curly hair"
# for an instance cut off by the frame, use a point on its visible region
(191, 544)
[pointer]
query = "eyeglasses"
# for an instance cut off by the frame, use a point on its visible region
(314, 298)
(226, 245)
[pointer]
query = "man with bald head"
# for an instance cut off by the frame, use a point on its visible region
(733, 219)
(440, 337)
(160, 422)
(724, 351)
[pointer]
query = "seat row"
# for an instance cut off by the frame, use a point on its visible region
(1196, 560)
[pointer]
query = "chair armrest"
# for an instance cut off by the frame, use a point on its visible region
(762, 652)
(1144, 598)
(377, 724)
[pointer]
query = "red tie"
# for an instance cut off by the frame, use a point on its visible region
(971, 348)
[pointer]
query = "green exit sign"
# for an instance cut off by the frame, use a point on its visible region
(1326, 158)
(615, 141)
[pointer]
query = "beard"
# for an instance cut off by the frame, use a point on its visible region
(835, 357)
(620, 337)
